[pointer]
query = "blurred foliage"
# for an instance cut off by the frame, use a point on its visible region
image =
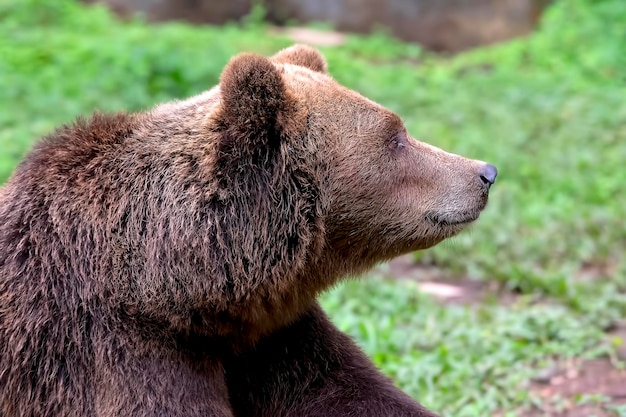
(549, 110)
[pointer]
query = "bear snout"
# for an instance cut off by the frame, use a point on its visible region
(487, 175)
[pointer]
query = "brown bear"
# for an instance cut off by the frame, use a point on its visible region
(167, 263)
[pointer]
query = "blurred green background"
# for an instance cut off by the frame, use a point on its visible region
(549, 110)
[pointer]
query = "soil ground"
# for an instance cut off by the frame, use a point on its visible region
(577, 388)
(582, 389)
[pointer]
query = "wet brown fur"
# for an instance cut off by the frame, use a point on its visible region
(167, 263)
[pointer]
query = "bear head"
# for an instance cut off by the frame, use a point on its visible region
(378, 192)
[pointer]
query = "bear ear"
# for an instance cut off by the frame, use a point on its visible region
(253, 95)
(304, 56)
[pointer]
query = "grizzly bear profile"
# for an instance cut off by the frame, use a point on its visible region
(167, 263)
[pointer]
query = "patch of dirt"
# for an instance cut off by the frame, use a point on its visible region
(438, 283)
(575, 388)
(581, 389)
(314, 37)
(584, 388)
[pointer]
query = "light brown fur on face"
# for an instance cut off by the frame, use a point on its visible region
(168, 262)
(384, 186)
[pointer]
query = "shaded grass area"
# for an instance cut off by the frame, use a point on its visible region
(549, 110)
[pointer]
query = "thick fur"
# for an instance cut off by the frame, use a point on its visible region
(167, 263)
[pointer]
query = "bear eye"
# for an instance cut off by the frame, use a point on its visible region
(397, 142)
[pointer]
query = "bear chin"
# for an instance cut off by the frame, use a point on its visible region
(457, 218)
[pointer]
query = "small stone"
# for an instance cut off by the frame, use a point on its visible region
(547, 375)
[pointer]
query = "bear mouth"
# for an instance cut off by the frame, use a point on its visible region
(452, 218)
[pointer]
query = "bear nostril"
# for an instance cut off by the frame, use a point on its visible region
(488, 174)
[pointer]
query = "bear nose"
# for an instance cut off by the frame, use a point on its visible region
(488, 174)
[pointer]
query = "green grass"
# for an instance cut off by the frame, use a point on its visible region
(549, 110)
(462, 360)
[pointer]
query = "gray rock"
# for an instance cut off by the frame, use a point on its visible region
(440, 25)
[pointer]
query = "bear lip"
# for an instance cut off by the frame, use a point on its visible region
(452, 218)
